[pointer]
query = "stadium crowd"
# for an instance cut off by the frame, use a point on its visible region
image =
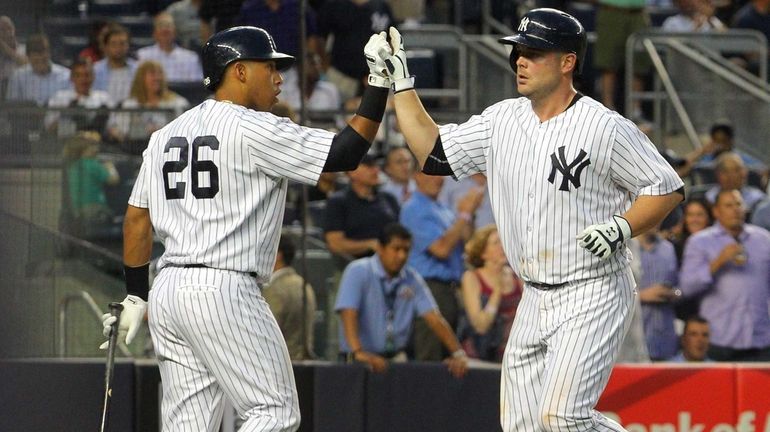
(421, 271)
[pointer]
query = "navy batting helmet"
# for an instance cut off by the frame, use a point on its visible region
(551, 30)
(239, 43)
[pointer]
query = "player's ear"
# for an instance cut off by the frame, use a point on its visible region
(240, 71)
(568, 62)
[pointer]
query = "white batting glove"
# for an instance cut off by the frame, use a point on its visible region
(375, 50)
(605, 239)
(130, 320)
(396, 63)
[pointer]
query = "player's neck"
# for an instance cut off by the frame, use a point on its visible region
(554, 104)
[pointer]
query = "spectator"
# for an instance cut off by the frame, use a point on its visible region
(40, 79)
(115, 71)
(616, 20)
(355, 216)
(754, 15)
(656, 292)
(697, 217)
(694, 341)
(379, 298)
(217, 15)
(728, 264)
(188, 25)
(94, 51)
(437, 254)
(10, 55)
(693, 16)
(150, 91)
(454, 190)
(80, 95)
(320, 95)
(284, 294)
(351, 22)
(399, 167)
(491, 292)
(281, 19)
(761, 214)
(86, 177)
(179, 64)
(732, 174)
(722, 140)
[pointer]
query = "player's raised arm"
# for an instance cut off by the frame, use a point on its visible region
(351, 143)
(419, 129)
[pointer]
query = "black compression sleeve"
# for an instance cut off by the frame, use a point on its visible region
(347, 150)
(373, 103)
(437, 163)
(138, 280)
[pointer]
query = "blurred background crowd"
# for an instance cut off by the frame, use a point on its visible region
(84, 83)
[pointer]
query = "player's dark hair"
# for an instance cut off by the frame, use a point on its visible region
(37, 43)
(394, 229)
(694, 319)
(725, 128)
(287, 248)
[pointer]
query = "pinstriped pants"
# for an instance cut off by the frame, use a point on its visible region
(560, 353)
(215, 336)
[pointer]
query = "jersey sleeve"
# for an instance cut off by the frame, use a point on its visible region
(637, 166)
(466, 145)
(281, 148)
(139, 194)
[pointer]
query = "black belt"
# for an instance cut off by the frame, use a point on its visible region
(545, 286)
(252, 274)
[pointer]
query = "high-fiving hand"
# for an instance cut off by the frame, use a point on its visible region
(395, 60)
(375, 50)
(605, 239)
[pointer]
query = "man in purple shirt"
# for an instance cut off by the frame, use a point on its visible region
(656, 292)
(728, 264)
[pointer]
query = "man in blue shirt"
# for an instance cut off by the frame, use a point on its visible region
(378, 299)
(439, 236)
(41, 78)
(695, 341)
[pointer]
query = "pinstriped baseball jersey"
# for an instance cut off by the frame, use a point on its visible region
(215, 181)
(548, 181)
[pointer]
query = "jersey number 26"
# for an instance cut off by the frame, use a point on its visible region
(197, 167)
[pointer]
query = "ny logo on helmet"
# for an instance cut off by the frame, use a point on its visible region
(523, 24)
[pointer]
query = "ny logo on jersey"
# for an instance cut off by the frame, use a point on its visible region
(523, 24)
(560, 163)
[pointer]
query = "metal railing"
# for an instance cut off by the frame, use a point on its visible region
(697, 82)
(85, 297)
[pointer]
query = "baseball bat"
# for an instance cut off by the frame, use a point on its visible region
(115, 309)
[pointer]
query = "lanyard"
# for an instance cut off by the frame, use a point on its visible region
(390, 313)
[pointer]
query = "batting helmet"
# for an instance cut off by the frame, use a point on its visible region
(239, 43)
(552, 30)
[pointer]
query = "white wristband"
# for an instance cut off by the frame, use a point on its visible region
(378, 81)
(402, 84)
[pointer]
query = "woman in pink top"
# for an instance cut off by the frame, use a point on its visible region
(491, 292)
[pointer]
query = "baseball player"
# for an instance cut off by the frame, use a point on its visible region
(569, 181)
(213, 187)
